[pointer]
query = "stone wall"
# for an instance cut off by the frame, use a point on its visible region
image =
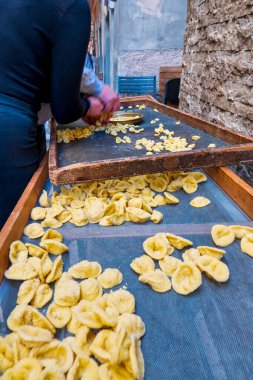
(217, 79)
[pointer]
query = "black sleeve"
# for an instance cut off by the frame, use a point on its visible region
(68, 55)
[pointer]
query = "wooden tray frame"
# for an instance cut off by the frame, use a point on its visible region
(238, 190)
(240, 151)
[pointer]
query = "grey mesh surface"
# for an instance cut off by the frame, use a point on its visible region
(206, 335)
(101, 146)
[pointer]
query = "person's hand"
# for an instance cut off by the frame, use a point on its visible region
(96, 109)
(110, 100)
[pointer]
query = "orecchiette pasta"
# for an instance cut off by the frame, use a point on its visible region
(38, 213)
(190, 184)
(34, 230)
(199, 202)
(143, 264)
(241, 231)
(186, 279)
(85, 269)
(110, 278)
(42, 296)
(222, 235)
(247, 244)
(156, 246)
(27, 290)
(122, 300)
(169, 264)
(157, 279)
(90, 289)
(211, 251)
(59, 316)
(213, 268)
(53, 246)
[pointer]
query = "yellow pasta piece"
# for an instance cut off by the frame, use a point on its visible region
(35, 262)
(241, 231)
(77, 203)
(85, 269)
(53, 246)
(20, 351)
(43, 199)
(27, 290)
(79, 217)
(195, 137)
(177, 241)
(132, 323)
(34, 336)
(84, 368)
(55, 353)
(247, 244)
(213, 268)
(109, 371)
(27, 315)
(25, 369)
(46, 264)
(222, 235)
(103, 346)
(190, 184)
(211, 251)
(135, 202)
(110, 278)
(156, 217)
(51, 222)
(198, 176)
(199, 202)
(90, 289)
(18, 252)
(171, 199)
(67, 292)
(59, 316)
(6, 355)
(56, 270)
(34, 230)
(42, 296)
(186, 279)
(159, 184)
(34, 250)
(38, 213)
(175, 185)
(143, 264)
(156, 246)
(137, 215)
(112, 220)
(74, 324)
(157, 279)
(169, 264)
(191, 254)
(20, 271)
(211, 145)
(161, 201)
(64, 216)
(80, 344)
(52, 235)
(52, 373)
(135, 363)
(87, 315)
(122, 300)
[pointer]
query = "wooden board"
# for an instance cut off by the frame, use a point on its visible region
(240, 192)
(99, 159)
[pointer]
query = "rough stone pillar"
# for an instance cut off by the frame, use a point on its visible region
(217, 79)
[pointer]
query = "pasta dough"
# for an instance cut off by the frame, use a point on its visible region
(171, 199)
(132, 323)
(85, 269)
(42, 296)
(241, 231)
(191, 254)
(222, 235)
(34, 230)
(177, 241)
(186, 279)
(34, 250)
(59, 316)
(156, 246)
(38, 213)
(18, 252)
(199, 202)
(213, 268)
(20, 271)
(84, 368)
(27, 290)
(156, 216)
(90, 289)
(52, 235)
(211, 251)
(247, 245)
(43, 200)
(67, 292)
(53, 246)
(137, 215)
(122, 300)
(110, 278)
(143, 264)
(190, 184)
(157, 279)
(56, 270)
(34, 336)
(169, 264)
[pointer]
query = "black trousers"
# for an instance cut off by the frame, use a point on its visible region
(22, 146)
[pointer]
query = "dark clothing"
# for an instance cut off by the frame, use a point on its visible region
(42, 52)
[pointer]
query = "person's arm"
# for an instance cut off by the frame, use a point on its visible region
(68, 55)
(90, 84)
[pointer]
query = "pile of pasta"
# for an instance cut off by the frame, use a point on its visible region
(105, 333)
(113, 202)
(186, 274)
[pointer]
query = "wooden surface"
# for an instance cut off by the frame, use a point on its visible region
(235, 187)
(13, 228)
(168, 73)
(136, 162)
